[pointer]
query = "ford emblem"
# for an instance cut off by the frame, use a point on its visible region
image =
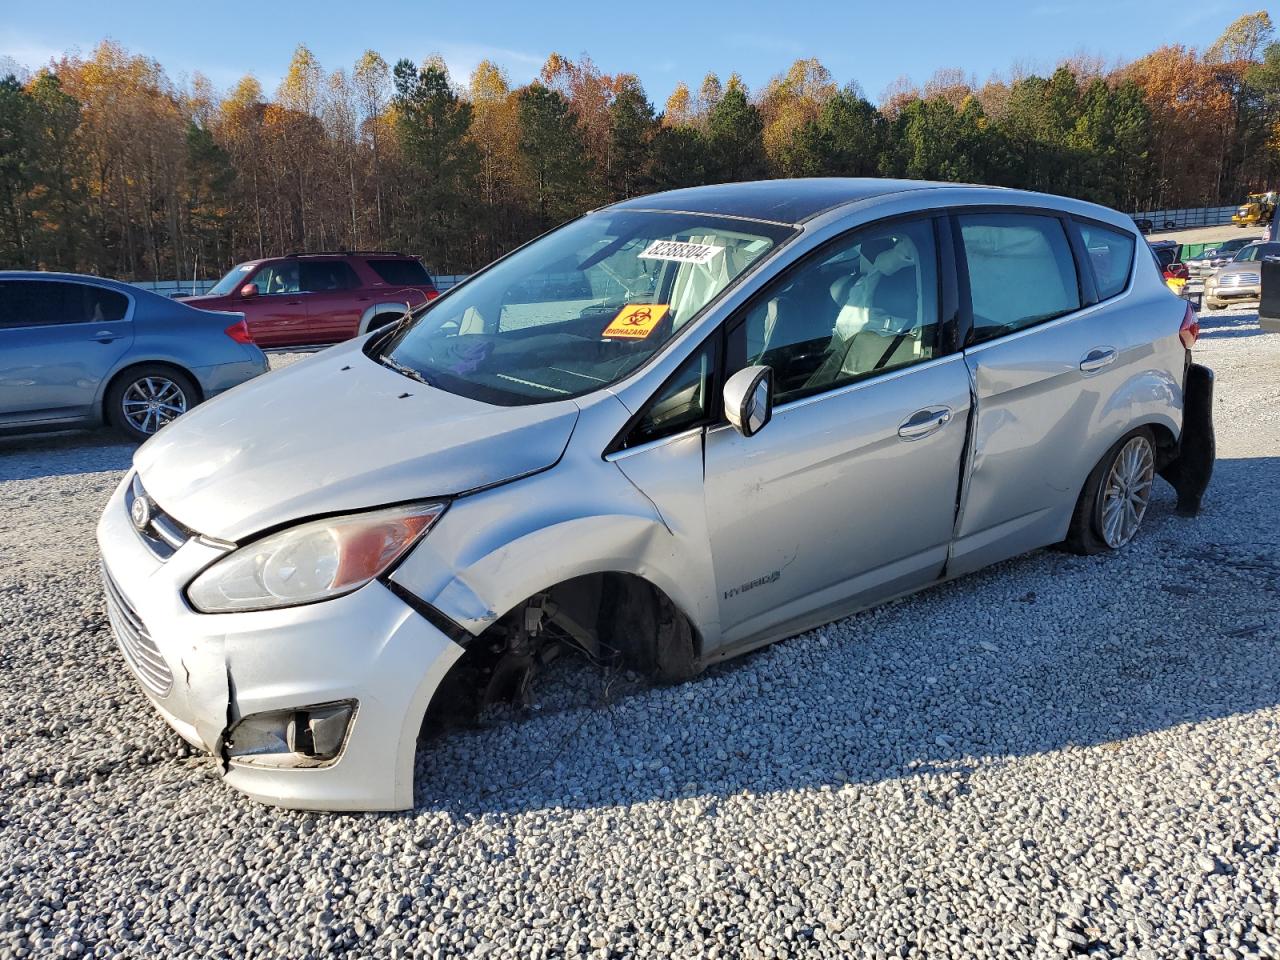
(140, 513)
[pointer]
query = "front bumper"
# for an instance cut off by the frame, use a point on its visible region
(1252, 292)
(368, 647)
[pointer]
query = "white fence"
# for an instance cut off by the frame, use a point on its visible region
(190, 288)
(1188, 217)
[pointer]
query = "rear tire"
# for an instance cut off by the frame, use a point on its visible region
(1116, 493)
(146, 398)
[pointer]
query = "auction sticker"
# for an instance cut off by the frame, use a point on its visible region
(636, 320)
(680, 251)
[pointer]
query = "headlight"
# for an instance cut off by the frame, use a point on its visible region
(312, 561)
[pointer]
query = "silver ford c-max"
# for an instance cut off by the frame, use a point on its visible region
(673, 430)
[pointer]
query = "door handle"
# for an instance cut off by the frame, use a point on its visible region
(106, 336)
(1097, 358)
(924, 422)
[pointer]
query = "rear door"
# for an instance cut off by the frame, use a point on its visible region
(1044, 357)
(58, 340)
(331, 290)
(277, 316)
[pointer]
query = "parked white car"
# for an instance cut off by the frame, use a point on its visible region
(671, 431)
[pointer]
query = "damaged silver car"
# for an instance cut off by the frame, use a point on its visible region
(673, 430)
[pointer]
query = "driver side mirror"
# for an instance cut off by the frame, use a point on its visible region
(249, 290)
(748, 399)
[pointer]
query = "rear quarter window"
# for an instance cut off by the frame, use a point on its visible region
(403, 272)
(1111, 255)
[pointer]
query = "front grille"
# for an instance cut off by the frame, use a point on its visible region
(139, 649)
(1240, 280)
(162, 534)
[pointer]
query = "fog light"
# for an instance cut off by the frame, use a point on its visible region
(311, 736)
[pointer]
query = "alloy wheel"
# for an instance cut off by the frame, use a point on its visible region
(152, 402)
(1127, 491)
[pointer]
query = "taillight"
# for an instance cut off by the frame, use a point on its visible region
(239, 332)
(432, 294)
(1189, 332)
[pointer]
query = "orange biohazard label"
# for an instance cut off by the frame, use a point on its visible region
(636, 320)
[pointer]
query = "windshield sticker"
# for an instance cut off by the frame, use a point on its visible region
(680, 252)
(636, 320)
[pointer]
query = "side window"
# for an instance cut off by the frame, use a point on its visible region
(327, 276)
(277, 278)
(683, 402)
(1111, 254)
(105, 305)
(1021, 271)
(39, 303)
(865, 305)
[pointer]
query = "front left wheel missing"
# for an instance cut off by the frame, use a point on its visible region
(148, 398)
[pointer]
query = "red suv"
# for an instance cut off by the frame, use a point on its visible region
(307, 298)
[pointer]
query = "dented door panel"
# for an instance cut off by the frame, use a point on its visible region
(1042, 423)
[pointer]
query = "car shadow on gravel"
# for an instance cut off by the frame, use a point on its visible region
(1217, 326)
(34, 456)
(1043, 653)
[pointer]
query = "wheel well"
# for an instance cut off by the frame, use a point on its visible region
(1166, 443)
(616, 619)
(372, 322)
(120, 375)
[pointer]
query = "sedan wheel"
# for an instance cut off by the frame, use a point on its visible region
(1126, 492)
(151, 402)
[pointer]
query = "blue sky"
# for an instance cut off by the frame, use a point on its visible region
(661, 41)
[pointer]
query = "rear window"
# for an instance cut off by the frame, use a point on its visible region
(1111, 253)
(404, 272)
(1021, 271)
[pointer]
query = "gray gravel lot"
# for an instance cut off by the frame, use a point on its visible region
(1058, 756)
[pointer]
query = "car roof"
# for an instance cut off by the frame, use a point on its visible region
(778, 201)
(71, 278)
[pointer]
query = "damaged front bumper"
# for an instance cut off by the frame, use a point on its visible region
(317, 706)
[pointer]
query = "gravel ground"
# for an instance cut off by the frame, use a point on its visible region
(1058, 756)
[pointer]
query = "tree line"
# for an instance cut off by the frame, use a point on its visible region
(108, 166)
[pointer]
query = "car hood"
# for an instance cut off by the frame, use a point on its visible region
(334, 433)
(1241, 266)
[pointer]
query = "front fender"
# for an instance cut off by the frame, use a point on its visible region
(493, 550)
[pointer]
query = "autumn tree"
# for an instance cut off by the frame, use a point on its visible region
(788, 104)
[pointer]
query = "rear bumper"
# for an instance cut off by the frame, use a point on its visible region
(218, 377)
(1190, 471)
(368, 647)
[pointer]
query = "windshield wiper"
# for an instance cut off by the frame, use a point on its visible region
(404, 370)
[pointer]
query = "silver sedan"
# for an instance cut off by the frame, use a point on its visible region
(78, 351)
(669, 432)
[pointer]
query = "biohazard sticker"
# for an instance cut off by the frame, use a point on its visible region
(636, 320)
(680, 251)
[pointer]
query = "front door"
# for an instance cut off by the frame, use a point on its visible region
(849, 495)
(58, 341)
(277, 316)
